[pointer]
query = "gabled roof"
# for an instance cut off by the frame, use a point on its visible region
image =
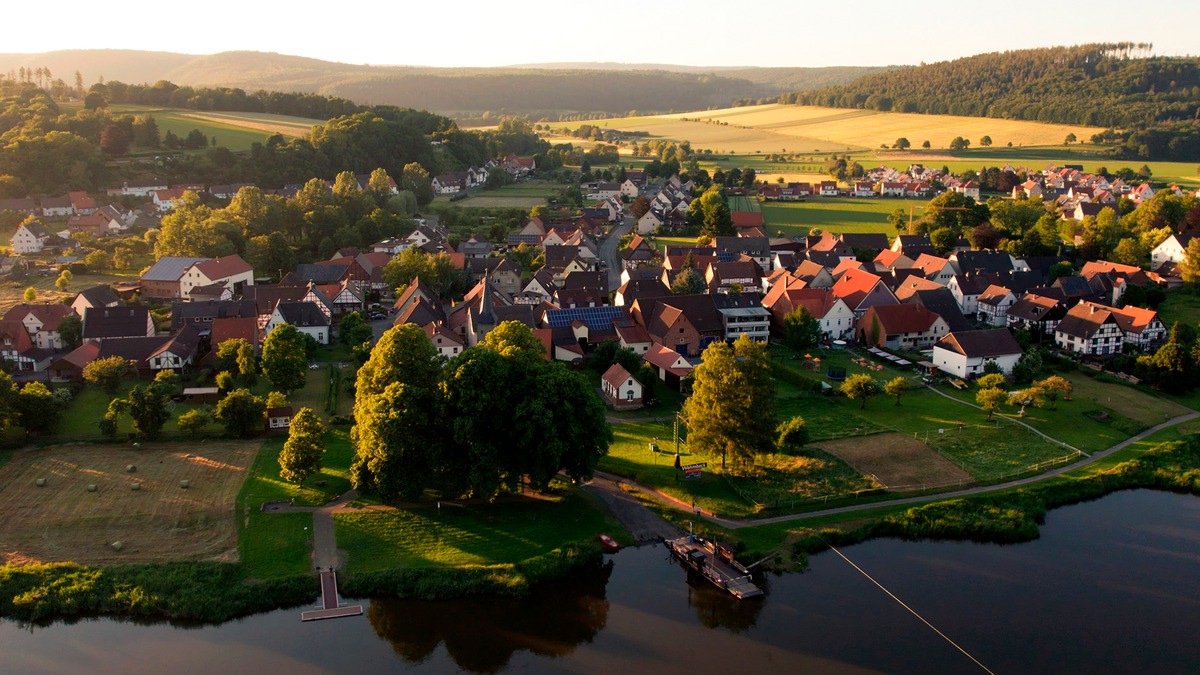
(115, 322)
(319, 273)
(183, 342)
(1085, 319)
(630, 332)
(670, 361)
(230, 328)
(980, 343)
(99, 296)
(941, 301)
(80, 356)
(15, 331)
(1036, 308)
(223, 267)
(50, 315)
(302, 314)
(854, 286)
(994, 295)
(205, 310)
(930, 264)
(616, 375)
(266, 297)
(908, 318)
(1134, 319)
(170, 268)
(700, 310)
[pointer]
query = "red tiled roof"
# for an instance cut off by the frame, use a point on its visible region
(224, 267)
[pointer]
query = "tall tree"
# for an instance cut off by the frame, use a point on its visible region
(301, 456)
(149, 406)
(39, 409)
(731, 411)
(283, 358)
(897, 386)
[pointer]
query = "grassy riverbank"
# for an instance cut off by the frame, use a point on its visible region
(1006, 516)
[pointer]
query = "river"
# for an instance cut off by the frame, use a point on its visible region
(1110, 586)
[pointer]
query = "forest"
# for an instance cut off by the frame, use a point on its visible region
(1152, 103)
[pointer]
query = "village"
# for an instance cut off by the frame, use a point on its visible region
(899, 295)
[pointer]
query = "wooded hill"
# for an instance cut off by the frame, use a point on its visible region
(550, 90)
(1115, 85)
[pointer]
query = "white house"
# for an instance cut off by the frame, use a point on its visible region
(964, 354)
(1172, 250)
(621, 390)
(305, 316)
(993, 305)
(30, 238)
(230, 270)
(630, 189)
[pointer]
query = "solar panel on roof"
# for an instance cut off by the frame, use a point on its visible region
(596, 318)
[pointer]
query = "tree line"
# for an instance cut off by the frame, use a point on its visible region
(422, 423)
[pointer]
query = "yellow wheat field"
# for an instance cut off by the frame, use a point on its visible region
(805, 129)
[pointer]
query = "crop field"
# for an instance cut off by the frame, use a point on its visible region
(896, 461)
(233, 130)
(12, 292)
(835, 214)
(870, 129)
(161, 521)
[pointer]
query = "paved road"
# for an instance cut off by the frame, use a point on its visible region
(983, 489)
(608, 251)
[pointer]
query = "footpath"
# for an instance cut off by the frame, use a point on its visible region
(732, 524)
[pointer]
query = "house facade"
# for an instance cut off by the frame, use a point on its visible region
(965, 354)
(621, 390)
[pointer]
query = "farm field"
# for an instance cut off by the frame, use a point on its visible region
(162, 521)
(789, 128)
(835, 214)
(12, 292)
(233, 130)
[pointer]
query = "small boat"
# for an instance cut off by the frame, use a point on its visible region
(609, 543)
(715, 563)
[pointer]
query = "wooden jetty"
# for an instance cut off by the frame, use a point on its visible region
(331, 608)
(715, 563)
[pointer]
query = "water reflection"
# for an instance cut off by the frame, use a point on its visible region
(717, 609)
(482, 634)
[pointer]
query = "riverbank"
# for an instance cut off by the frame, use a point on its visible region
(216, 592)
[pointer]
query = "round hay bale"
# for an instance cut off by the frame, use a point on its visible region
(41, 482)
(137, 446)
(184, 484)
(135, 486)
(117, 546)
(92, 487)
(131, 468)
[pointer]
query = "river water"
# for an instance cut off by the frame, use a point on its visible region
(1111, 586)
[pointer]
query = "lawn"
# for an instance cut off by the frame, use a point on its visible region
(315, 393)
(452, 535)
(630, 456)
(1181, 306)
(278, 544)
(835, 214)
(12, 292)
(236, 131)
(516, 196)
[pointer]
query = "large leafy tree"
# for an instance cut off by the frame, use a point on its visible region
(801, 330)
(284, 361)
(70, 330)
(301, 456)
(353, 330)
(241, 412)
(732, 407)
(150, 407)
(688, 282)
(396, 439)
(106, 374)
(39, 409)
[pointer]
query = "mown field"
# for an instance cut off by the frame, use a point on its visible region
(63, 521)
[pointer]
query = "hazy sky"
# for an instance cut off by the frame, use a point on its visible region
(499, 32)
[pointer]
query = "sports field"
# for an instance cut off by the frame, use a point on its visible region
(161, 521)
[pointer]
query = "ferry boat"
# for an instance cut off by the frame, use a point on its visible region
(715, 563)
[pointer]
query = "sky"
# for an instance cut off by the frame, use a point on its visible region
(698, 33)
